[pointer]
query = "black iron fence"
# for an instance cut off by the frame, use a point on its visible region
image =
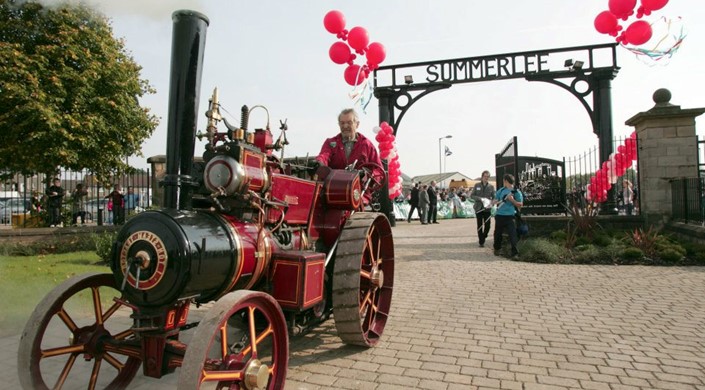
(688, 200)
(701, 157)
(24, 202)
(580, 168)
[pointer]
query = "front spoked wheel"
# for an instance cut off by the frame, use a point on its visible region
(241, 343)
(79, 337)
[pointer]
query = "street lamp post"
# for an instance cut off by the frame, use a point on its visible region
(440, 152)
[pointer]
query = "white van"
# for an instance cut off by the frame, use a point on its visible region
(4, 195)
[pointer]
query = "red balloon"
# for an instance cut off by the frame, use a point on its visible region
(358, 38)
(622, 8)
(638, 33)
(606, 23)
(339, 52)
(376, 53)
(653, 5)
(334, 22)
(353, 76)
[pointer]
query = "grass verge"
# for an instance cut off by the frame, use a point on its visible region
(25, 280)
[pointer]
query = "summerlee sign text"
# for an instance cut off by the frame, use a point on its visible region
(558, 62)
(487, 68)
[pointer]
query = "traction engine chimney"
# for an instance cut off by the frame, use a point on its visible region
(188, 42)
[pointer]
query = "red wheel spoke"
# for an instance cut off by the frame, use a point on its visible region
(257, 340)
(94, 374)
(125, 350)
(378, 259)
(97, 305)
(65, 372)
(370, 315)
(66, 318)
(113, 361)
(223, 340)
(369, 247)
(111, 310)
(253, 334)
(226, 375)
(63, 350)
(124, 334)
(364, 301)
(365, 274)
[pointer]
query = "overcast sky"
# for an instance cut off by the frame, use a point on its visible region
(275, 53)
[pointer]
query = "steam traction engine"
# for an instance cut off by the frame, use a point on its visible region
(278, 248)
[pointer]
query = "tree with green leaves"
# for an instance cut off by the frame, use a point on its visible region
(69, 92)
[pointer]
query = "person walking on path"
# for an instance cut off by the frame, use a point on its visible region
(627, 197)
(56, 197)
(413, 202)
(432, 203)
(78, 204)
(423, 204)
(509, 200)
(118, 200)
(482, 194)
(132, 200)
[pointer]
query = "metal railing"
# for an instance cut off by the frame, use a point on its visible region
(580, 168)
(688, 200)
(701, 157)
(30, 202)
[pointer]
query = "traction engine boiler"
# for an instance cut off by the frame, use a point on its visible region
(269, 248)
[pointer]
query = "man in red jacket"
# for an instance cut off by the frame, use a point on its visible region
(350, 147)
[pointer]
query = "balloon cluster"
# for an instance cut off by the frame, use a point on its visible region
(358, 41)
(388, 151)
(638, 32)
(614, 167)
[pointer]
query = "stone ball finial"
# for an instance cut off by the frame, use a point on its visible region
(662, 97)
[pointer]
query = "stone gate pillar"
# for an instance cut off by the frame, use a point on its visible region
(668, 149)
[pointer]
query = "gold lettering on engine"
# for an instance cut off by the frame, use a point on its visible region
(158, 251)
(291, 199)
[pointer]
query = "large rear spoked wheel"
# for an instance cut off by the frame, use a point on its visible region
(241, 343)
(75, 338)
(363, 278)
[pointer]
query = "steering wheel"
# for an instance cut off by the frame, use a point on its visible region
(369, 168)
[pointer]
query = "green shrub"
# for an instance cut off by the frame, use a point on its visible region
(558, 235)
(632, 253)
(48, 246)
(602, 240)
(693, 248)
(644, 240)
(582, 240)
(103, 244)
(670, 255)
(541, 250)
(586, 254)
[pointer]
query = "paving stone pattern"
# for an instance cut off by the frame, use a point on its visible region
(462, 318)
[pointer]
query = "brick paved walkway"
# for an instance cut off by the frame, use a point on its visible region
(464, 319)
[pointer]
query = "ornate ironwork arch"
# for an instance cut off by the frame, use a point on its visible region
(594, 65)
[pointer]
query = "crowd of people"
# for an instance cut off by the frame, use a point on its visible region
(119, 204)
(508, 202)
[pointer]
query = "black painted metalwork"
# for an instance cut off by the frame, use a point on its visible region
(189, 39)
(701, 158)
(589, 71)
(688, 200)
(506, 161)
